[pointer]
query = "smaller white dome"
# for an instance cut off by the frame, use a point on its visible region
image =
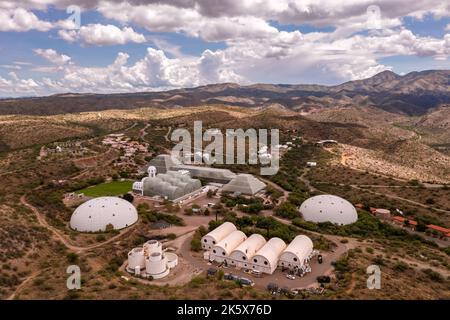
(328, 208)
(94, 215)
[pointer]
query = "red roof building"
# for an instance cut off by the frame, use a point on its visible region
(442, 230)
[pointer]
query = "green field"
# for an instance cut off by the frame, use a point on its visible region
(114, 188)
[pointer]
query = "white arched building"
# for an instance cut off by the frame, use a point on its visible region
(241, 256)
(212, 238)
(297, 253)
(266, 259)
(151, 261)
(227, 244)
(222, 249)
(97, 214)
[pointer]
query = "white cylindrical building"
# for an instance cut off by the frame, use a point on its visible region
(212, 238)
(156, 265)
(241, 256)
(136, 259)
(172, 259)
(266, 259)
(152, 246)
(222, 249)
(297, 252)
(151, 261)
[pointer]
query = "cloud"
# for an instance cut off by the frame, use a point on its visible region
(53, 56)
(102, 35)
(15, 86)
(154, 71)
(255, 48)
(21, 20)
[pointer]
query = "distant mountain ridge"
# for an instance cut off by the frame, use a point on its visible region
(412, 94)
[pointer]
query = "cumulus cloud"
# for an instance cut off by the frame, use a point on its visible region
(255, 49)
(21, 20)
(154, 71)
(101, 35)
(53, 56)
(14, 86)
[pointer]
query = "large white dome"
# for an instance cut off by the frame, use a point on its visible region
(94, 215)
(328, 208)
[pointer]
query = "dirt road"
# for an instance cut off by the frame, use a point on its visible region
(57, 235)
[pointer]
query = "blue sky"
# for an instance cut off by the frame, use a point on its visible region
(143, 45)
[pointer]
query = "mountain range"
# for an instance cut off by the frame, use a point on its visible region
(411, 94)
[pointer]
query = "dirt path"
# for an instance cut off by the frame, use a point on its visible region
(57, 235)
(275, 186)
(23, 284)
(398, 198)
(306, 181)
(143, 132)
(166, 137)
(352, 285)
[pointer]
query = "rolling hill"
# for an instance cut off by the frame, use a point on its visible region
(412, 94)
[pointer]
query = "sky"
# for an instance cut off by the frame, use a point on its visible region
(57, 46)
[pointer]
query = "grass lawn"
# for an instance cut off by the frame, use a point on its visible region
(114, 188)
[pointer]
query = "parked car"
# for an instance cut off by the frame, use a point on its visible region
(323, 279)
(273, 287)
(320, 258)
(285, 291)
(290, 276)
(246, 282)
(228, 276)
(211, 271)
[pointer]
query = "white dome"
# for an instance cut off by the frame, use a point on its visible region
(94, 215)
(328, 208)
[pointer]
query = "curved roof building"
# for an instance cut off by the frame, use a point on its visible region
(222, 249)
(266, 259)
(96, 214)
(242, 254)
(328, 208)
(212, 238)
(297, 252)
